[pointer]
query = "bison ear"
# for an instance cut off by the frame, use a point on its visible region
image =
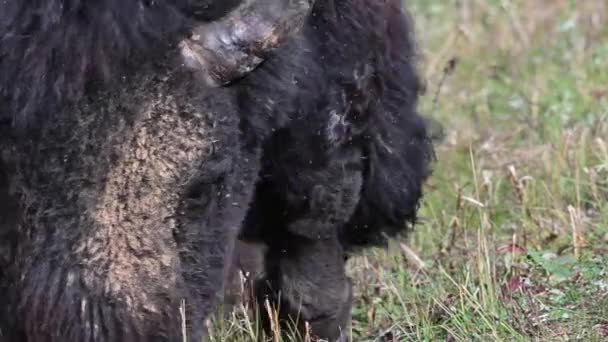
(229, 48)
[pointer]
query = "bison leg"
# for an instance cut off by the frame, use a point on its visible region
(305, 282)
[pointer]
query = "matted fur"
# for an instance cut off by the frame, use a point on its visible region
(51, 51)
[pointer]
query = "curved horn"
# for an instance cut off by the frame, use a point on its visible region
(225, 50)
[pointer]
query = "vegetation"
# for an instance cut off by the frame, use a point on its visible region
(514, 235)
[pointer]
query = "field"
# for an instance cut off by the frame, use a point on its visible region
(513, 243)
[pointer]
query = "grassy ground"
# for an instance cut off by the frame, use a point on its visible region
(514, 240)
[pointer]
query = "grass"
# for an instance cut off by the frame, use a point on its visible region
(514, 240)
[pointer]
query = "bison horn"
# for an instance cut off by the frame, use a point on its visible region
(224, 50)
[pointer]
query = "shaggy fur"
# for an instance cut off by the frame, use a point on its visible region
(51, 51)
(123, 181)
(347, 171)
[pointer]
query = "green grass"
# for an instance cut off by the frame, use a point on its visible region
(514, 240)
